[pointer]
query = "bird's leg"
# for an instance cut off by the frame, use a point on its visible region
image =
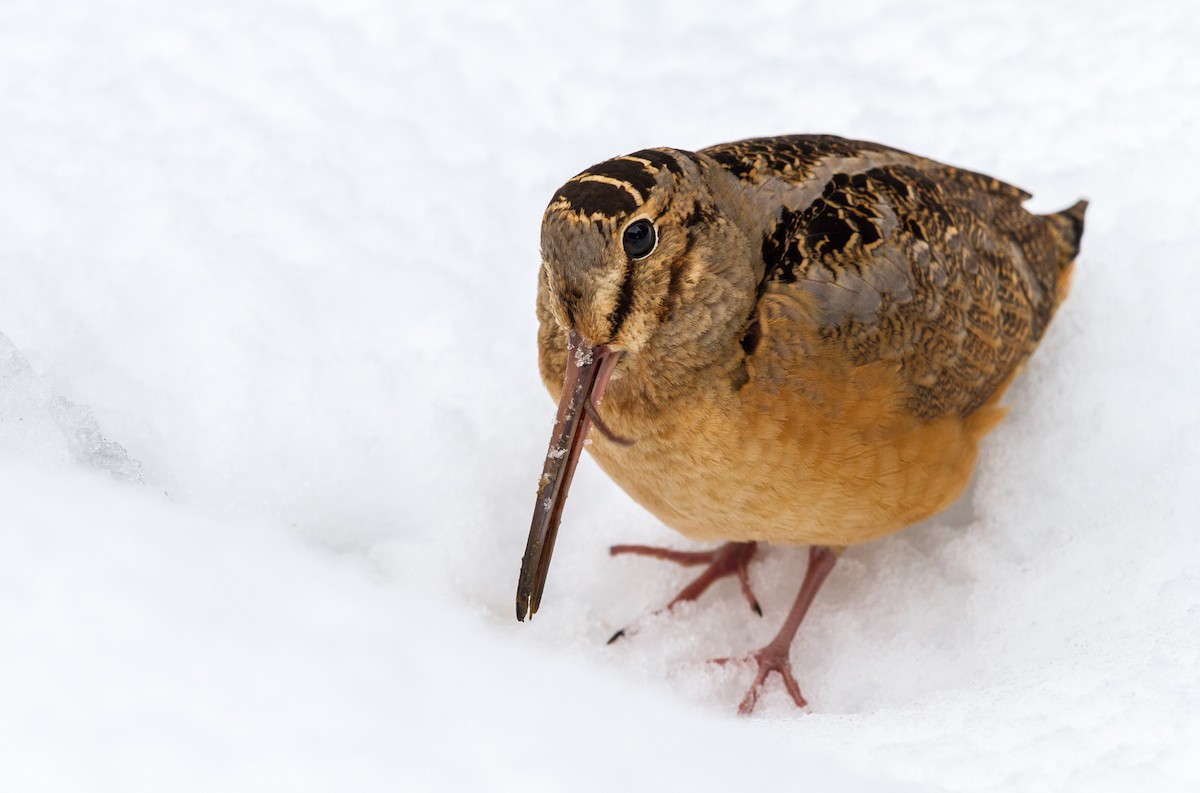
(732, 558)
(775, 656)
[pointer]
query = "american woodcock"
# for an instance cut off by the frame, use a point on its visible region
(799, 340)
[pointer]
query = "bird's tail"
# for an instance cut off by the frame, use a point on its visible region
(1068, 231)
(1067, 227)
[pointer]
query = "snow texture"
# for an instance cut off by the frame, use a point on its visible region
(285, 253)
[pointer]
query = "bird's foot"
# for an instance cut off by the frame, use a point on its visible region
(732, 558)
(774, 657)
(771, 658)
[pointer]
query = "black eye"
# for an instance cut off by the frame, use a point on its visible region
(639, 239)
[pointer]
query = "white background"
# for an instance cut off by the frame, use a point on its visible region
(286, 252)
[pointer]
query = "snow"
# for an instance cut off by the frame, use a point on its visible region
(271, 425)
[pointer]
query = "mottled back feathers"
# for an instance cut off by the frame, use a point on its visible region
(937, 269)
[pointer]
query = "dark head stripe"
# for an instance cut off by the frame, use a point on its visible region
(592, 197)
(659, 159)
(620, 185)
(624, 302)
(631, 172)
(613, 187)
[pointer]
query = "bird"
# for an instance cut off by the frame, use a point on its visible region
(796, 340)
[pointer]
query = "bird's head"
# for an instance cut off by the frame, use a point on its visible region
(647, 260)
(630, 245)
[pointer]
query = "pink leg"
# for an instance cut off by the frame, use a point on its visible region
(775, 656)
(732, 558)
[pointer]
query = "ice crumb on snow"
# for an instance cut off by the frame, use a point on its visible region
(36, 422)
(88, 445)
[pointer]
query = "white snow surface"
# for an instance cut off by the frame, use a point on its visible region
(271, 425)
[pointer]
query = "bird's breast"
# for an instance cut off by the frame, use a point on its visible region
(829, 458)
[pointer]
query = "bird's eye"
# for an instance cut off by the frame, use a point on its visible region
(639, 239)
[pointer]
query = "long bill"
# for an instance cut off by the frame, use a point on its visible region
(588, 370)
